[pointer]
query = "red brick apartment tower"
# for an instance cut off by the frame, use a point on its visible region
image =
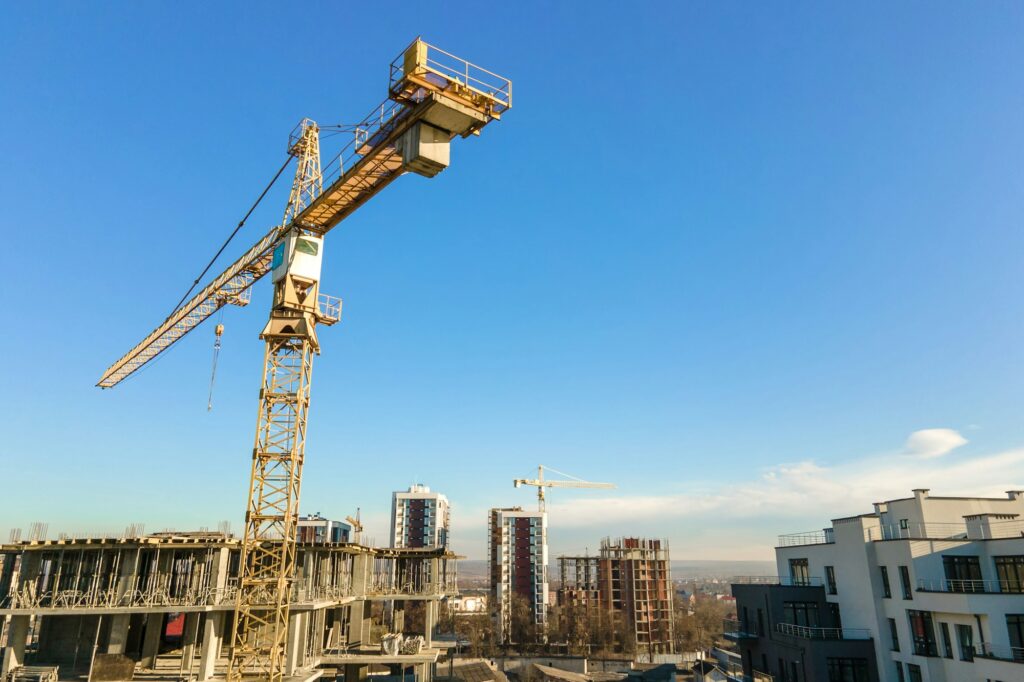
(633, 576)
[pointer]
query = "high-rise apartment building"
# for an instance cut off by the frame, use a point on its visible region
(630, 577)
(419, 518)
(517, 551)
(923, 589)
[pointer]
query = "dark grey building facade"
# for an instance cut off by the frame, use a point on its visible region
(787, 629)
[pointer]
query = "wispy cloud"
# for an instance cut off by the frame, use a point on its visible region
(928, 443)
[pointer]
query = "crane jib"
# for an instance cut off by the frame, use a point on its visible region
(377, 162)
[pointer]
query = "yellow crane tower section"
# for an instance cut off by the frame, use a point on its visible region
(433, 97)
(541, 484)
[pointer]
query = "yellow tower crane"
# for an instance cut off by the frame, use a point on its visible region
(541, 483)
(433, 97)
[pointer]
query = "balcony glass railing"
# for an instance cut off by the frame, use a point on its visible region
(805, 632)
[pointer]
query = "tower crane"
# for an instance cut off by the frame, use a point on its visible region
(541, 483)
(433, 96)
(357, 526)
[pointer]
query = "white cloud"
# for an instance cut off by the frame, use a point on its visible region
(928, 443)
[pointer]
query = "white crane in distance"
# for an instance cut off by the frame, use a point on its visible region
(541, 483)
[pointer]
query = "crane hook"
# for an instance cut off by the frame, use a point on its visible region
(218, 331)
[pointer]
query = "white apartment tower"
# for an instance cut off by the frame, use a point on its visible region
(517, 563)
(923, 589)
(419, 518)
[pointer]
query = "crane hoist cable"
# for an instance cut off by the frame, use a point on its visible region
(231, 236)
(218, 331)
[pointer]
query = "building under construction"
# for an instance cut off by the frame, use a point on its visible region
(103, 607)
(630, 576)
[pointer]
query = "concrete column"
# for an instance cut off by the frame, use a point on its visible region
(294, 646)
(14, 651)
(126, 574)
(210, 649)
(188, 642)
(337, 628)
(118, 637)
(429, 621)
(151, 641)
(398, 616)
(355, 673)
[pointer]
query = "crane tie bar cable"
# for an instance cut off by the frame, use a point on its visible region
(230, 237)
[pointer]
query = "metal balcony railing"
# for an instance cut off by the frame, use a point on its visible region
(970, 586)
(784, 580)
(919, 531)
(736, 629)
(805, 632)
(814, 537)
(1014, 654)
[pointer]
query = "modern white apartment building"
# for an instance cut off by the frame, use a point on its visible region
(517, 562)
(936, 584)
(419, 518)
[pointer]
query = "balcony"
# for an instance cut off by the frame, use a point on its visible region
(1013, 654)
(782, 580)
(804, 632)
(814, 537)
(736, 631)
(971, 586)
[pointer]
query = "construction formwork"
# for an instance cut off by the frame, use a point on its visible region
(76, 604)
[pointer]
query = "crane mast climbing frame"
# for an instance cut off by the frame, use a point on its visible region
(433, 96)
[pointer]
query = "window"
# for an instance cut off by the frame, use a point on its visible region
(963, 574)
(922, 633)
(760, 628)
(894, 634)
(886, 591)
(799, 572)
(1010, 572)
(830, 579)
(837, 619)
(803, 613)
(914, 672)
(847, 670)
(782, 671)
(905, 582)
(965, 639)
(1015, 628)
(794, 675)
(947, 644)
(899, 672)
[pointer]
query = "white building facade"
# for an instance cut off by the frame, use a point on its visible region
(938, 582)
(517, 563)
(419, 518)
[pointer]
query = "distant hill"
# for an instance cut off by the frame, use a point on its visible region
(681, 570)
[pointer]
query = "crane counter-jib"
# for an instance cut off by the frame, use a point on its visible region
(381, 150)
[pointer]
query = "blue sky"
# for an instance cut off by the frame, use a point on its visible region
(730, 256)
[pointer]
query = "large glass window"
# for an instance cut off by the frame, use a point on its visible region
(886, 590)
(905, 582)
(1010, 573)
(965, 640)
(1015, 627)
(947, 643)
(801, 613)
(830, 579)
(894, 634)
(963, 574)
(899, 672)
(799, 572)
(914, 672)
(847, 670)
(922, 632)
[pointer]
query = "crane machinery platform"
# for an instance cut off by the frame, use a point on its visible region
(433, 97)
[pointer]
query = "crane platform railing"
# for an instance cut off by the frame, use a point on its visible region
(442, 69)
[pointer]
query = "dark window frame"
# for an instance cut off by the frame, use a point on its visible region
(830, 580)
(894, 634)
(908, 590)
(922, 633)
(1010, 572)
(965, 641)
(947, 641)
(886, 589)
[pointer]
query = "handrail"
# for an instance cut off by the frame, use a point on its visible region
(805, 632)
(970, 586)
(782, 580)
